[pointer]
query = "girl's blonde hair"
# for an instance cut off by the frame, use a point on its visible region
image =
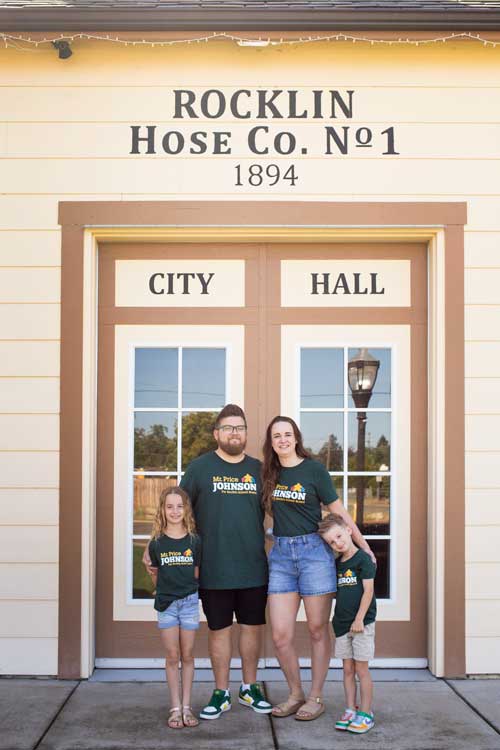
(160, 522)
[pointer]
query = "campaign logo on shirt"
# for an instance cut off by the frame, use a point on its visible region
(245, 485)
(294, 494)
(173, 557)
(348, 578)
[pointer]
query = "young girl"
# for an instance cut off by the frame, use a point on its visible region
(175, 554)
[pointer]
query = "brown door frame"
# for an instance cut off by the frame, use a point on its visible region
(280, 221)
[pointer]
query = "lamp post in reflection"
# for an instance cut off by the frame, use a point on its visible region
(362, 370)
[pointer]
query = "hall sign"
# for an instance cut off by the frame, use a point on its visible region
(180, 283)
(345, 283)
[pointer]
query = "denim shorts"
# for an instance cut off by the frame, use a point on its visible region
(183, 613)
(304, 564)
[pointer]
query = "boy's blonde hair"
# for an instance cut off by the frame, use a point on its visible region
(160, 522)
(332, 519)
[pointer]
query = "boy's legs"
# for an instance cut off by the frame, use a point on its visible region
(365, 685)
(349, 683)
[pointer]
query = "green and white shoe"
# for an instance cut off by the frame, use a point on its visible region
(345, 720)
(253, 698)
(219, 702)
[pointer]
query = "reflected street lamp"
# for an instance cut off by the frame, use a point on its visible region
(362, 370)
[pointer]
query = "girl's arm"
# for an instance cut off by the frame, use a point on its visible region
(358, 625)
(357, 537)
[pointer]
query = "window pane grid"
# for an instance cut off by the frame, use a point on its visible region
(372, 498)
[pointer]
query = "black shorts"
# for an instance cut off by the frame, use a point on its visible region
(249, 606)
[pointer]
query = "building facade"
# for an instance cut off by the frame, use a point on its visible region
(300, 216)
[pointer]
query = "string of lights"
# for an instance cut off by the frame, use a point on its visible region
(26, 43)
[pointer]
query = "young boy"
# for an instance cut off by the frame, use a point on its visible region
(353, 621)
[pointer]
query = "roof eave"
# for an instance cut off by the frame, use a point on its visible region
(164, 19)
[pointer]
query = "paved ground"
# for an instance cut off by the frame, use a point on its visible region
(423, 714)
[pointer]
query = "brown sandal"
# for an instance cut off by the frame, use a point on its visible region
(188, 718)
(288, 707)
(174, 720)
(306, 715)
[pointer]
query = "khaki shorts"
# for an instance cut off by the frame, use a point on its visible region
(358, 646)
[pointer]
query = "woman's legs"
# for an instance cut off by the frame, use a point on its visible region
(283, 610)
(318, 610)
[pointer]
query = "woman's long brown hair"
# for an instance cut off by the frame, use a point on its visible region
(271, 466)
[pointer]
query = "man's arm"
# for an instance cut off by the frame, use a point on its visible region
(358, 624)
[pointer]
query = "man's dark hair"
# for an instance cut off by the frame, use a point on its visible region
(230, 410)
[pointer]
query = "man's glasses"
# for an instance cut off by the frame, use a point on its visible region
(227, 428)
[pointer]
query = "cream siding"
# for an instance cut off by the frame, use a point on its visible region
(64, 135)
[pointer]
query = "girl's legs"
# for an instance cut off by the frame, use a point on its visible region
(283, 610)
(318, 622)
(365, 685)
(187, 662)
(170, 640)
(349, 683)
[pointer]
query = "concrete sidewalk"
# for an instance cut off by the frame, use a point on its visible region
(410, 715)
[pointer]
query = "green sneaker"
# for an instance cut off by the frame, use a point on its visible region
(345, 720)
(253, 698)
(219, 702)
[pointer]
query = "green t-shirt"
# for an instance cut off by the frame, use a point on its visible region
(298, 496)
(226, 500)
(176, 560)
(350, 576)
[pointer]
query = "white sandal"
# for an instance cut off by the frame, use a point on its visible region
(175, 720)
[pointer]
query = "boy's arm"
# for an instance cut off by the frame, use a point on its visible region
(358, 625)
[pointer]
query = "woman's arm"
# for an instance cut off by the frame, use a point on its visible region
(357, 537)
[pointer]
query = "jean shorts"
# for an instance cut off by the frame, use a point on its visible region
(183, 613)
(302, 564)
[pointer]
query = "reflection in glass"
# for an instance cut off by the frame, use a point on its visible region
(368, 502)
(323, 434)
(156, 378)
(142, 586)
(369, 440)
(204, 378)
(155, 441)
(381, 548)
(147, 492)
(321, 378)
(197, 435)
(381, 392)
(338, 483)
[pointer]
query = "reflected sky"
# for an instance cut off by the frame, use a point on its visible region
(156, 378)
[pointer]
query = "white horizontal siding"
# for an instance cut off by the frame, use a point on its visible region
(483, 545)
(29, 358)
(483, 655)
(30, 321)
(29, 544)
(29, 656)
(482, 507)
(481, 470)
(483, 619)
(30, 248)
(482, 432)
(28, 619)
(36, 469)
(482, 249)
(30, 285)
(25, 507)
(482, 580)
(29, 432)
(482, 321)
(29, 581)
(482, 359)
(482, 286)
(29, 395)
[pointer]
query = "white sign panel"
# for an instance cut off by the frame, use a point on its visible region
(180, 283)
(345, 283)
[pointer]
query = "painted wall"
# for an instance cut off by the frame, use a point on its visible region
(65, 135)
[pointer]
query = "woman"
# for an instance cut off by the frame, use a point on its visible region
(300, 564)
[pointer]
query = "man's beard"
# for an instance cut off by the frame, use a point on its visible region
(232, 449)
